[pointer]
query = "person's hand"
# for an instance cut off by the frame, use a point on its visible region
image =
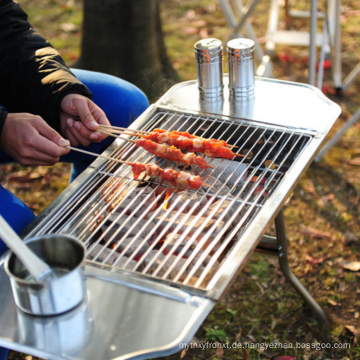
(29, 140)
(77, 107)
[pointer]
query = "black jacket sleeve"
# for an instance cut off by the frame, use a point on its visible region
(33, 76)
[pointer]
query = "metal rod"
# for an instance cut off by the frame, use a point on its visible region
(293, 280)
(312, 47)
(338, 136)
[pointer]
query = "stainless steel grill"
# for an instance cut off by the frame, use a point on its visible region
(114, 211)
(181, 249)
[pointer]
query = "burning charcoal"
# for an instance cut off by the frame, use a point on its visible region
(216, 186)
(225, 208)
(144, 226)
(173, 240)
(136, 198)
(168, 262)
(190, 198)
(120, 263)
(93, 251)
(199, 271)
(137, 247)
(176, 218)
(115, 231)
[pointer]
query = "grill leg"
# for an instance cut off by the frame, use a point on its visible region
(293, 280)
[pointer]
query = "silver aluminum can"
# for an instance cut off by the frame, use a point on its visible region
(209, 56)
(241, 67)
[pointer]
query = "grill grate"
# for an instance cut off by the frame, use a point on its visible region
(123, 221)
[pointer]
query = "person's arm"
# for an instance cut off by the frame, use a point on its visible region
(34, 79)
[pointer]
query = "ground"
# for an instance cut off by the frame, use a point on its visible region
(322, 214)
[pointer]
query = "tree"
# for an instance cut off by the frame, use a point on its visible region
(124, 38)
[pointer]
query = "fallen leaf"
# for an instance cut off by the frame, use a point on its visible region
(69, 27)
(332, 302)
(199, 23)
(190, 14)
(190, 30)
(314, 261)
(314, 233)
(355, 162)
(324, 199)
(245, 354)
(16, 178)
(356, 315)
(183, 354)
(285, 358)
(352, 265)
(354, 331)
(219, 351)
(204, 33)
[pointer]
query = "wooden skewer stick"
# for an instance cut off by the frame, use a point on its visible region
(110, 131)
(97, 155)
(116, 136)
(125, 129)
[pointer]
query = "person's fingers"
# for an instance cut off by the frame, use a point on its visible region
(98, 114)
(71, 137)
(100, 117)
(76, 134)
(36, 141)
(48, 132)
(82, 108)
(86, 133)
(34, 157)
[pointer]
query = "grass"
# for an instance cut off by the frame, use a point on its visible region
(260, 306)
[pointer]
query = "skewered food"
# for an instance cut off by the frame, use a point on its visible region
(180, 179)
(192, 143)
(172, 153)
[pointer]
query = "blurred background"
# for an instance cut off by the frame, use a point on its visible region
(150, 43)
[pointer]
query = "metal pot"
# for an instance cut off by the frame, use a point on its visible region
(65, 255)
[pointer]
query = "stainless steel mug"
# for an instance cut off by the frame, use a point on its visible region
(65, 255)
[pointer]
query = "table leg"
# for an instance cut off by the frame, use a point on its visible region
(293, 280)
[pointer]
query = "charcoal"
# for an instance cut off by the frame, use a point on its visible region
(115, 231)
(143, 227)
(176, 218)
(104, 254)
(169, 261)
(190, 198)
(223, 209)
(136, 197)
(93, 251)
(173, 239)
(137, 246)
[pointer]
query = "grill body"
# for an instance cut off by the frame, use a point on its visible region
(180, 260)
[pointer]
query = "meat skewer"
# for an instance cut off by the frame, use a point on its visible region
(171, 138)
(172, 153)
(180, 179)
(209, 147)
(168, 152)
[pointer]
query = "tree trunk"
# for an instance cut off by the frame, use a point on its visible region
(124, 38)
